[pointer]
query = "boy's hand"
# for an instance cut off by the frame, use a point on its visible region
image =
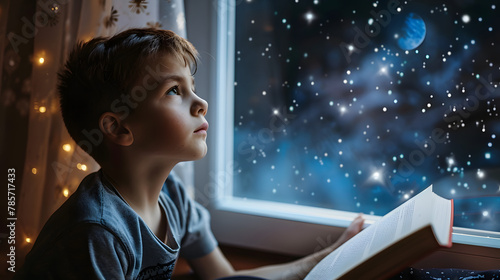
(354, 228)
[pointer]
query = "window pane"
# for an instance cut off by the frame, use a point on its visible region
(359, 105)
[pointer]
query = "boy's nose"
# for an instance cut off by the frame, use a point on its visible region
(200, 106)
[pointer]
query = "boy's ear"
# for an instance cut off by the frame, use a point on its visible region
(114, 129)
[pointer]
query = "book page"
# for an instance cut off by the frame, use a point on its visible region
(397, 224)
(345, 256)
(365, 243)
(442, 214)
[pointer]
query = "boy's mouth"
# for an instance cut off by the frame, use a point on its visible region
(202, 128)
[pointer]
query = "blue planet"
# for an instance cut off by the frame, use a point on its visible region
(413, 32)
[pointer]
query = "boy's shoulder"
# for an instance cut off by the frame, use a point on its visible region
(93, 203)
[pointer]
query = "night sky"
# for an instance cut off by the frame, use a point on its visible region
(360, 105)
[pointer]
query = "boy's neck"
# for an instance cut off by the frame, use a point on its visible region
(139, 184)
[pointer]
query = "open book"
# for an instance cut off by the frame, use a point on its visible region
(403, 236)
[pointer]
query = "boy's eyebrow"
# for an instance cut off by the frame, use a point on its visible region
(175, 78)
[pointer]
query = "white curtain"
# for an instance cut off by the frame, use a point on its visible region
(54, 165)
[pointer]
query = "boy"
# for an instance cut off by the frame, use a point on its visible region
(132, 219)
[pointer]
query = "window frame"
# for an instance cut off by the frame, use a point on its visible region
(267, 225)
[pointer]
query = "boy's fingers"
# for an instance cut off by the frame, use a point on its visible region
(357, 223)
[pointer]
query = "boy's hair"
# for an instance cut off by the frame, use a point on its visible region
(100, 74)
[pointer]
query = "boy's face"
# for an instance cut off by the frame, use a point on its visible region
(169, 124)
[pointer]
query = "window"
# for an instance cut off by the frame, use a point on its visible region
(347, 107)
(358, 107)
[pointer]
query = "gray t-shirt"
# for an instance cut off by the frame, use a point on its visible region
(95, 234)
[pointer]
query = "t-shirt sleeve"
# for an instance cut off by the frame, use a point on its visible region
(88, 251)
(198, 239)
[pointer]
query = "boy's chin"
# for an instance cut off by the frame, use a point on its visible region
(200, 155)
(204, 153)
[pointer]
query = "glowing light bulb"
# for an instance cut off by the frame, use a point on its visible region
(41, 60)
(42, 109)
(28, 240)
(66, 147)
(65, 192)
(82, 167)
(34, 171)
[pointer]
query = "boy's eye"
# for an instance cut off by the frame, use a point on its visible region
(173, 91)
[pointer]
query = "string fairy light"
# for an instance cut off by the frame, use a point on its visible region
(66, 147)
(81, 166)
